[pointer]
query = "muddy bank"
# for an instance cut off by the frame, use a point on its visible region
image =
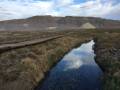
(23, 68)
(107, 49)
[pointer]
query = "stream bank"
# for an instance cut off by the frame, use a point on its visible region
(77, 70)
(24, 68)
(107, 49)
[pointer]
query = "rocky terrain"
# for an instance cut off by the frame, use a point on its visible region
(49, 22)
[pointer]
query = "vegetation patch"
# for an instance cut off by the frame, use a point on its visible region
(23, 68)
(108, 57)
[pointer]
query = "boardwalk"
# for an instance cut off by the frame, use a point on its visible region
(6, 47)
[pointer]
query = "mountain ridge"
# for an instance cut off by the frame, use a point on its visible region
(68, 22)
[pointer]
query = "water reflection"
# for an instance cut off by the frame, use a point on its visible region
(76, 71)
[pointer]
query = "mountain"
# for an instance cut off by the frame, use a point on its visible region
(68, 22)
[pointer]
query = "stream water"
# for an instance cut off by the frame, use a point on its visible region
(76, 71)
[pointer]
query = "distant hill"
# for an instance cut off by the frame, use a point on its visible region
(88, 26)
(68, 22)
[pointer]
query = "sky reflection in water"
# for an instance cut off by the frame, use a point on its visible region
(76, 71)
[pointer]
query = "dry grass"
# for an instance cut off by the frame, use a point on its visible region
(108, 57)
(8, 37)
(23, 68)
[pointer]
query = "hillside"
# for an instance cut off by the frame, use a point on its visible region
(49, 22)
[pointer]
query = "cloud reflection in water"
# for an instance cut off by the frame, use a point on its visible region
(76, 71)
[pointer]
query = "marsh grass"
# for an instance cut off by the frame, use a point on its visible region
(108, 57)
(24, 68)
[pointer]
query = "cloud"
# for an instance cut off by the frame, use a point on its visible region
(13, 9)
(114, 13)
(18, 9)
(90, 8)
(63, 3)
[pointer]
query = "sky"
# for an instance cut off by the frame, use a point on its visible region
(16, 9)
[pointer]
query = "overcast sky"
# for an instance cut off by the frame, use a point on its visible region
(15, 9)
